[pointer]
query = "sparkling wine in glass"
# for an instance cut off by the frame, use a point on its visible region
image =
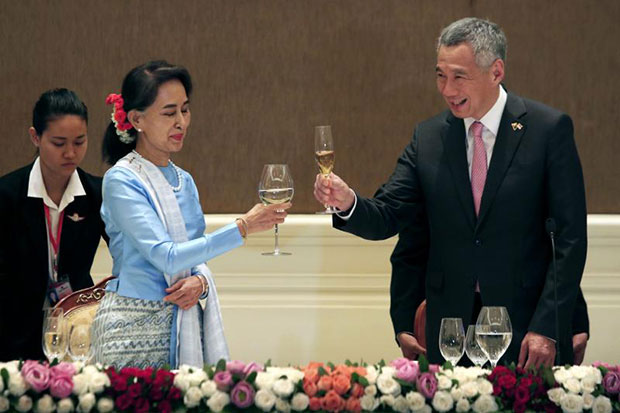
(472, 349)
(452, 339)
(324, 155)
(79, 342)
(276, 187)
(54, 334)
(493, 332)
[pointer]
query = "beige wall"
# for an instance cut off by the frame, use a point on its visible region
(266, 71)
(330, 299)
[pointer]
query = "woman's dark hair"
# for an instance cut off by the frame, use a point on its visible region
(139, 91)
(54, 104)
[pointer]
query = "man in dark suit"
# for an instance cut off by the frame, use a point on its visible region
(24, 263)
(489, 172)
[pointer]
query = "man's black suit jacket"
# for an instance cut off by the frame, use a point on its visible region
(534, 174)
(24, 257)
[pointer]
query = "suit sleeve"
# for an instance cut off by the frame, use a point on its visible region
(581, 321)
(565, 197)
(393, 205)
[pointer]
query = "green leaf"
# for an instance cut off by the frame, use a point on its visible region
(448, 366)
(363, 381)
(403, 383)
(210, 372)
(423, 363)
(348, 363)
(322, 371)
(221, 365)
(331, 365)
(251, 377)
(4, 373)
(381, 363)
(268, 363)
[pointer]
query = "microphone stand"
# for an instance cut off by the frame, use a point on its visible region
(550, 226)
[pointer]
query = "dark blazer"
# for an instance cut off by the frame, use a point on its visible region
(534, 174)
(24, 258)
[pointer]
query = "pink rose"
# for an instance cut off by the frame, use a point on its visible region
(36, 375)
(357, 390)
(353, 405)
(332, 402)
(325, 383)
(310, 388)
(61, 387)
(433, 368)
(63, 370)
(311, 375)
(252, 367)
(315, 403)
(426, 384)
(399, 362)
(408, 372)
(223, 380)
(341, 384)
(235, 367)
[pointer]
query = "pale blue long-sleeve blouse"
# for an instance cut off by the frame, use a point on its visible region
(140, 246)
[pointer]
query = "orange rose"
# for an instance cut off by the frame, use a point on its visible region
(315, 403)
(353, 405)
(341, 384)
(342, 369)
(360, 370)
(357, 390)
(325, 383)
(314, 365)
(311, 375)
(332, 402)
(311, 389)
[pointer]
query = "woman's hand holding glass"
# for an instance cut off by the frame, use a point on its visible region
(264, 217)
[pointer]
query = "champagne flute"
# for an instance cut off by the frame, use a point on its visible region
(472, 349)
(324, 155)
(452, 339)
(54, 334)
(276, 187)
(493, 332)
(79, 342)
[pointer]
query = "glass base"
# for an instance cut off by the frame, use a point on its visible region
(276, 253)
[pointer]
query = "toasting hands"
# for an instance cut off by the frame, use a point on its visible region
(333, 191)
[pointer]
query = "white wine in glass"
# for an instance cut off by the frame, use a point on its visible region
(324, 155)
(276, 187)
(493, 332)
(79, 342)
(54, 334)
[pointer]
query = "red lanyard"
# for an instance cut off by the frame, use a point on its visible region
(54, 241)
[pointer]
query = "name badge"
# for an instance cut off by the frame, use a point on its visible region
(58, 291)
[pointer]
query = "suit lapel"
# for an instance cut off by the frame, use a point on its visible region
(511, 130)
(36, 230)
(453, 137)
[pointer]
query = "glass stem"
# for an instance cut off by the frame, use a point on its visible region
(276, 249)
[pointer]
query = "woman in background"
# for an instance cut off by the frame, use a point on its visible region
(150, 315)
(50, 225)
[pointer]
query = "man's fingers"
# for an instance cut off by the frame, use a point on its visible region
(523, 353)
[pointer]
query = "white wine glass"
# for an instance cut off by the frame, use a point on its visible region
(79, 342)
(276, 187)
(472, 348)
(452, 339)
(493, 332)
(324, 155)
(54, 334)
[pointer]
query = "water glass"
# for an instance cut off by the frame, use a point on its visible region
(452, 339)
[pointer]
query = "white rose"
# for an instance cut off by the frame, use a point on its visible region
(186, 369)
(369, 403)
(300, 402)
(601, 405)
(444, 382)
(573, 385)
(463, 405)
(45, 404)
(579, 372)
(192, 397)
(484, 404)
(371, 374)
(10, 366)
(86, 402)
(596, 375)
(425, 409)
(66, 405)
(387, 385)
(17, 385)
(442, 401)
(98, 382)
(470, 389)
(90, 370)
(371, 390)
(105, 405)
(389, 370)
(588, 384)
(24, 404)
(283, 388)
(588, 401)
(282, 405)
(571, 403)
(400, 405)
(456, 393)
(387, 399)
(4, 404)
(264, 400)
(181, 381)
(2, 382)
(561, 375)
(197, 377)
(208, 388)
(461, 378)
(484, 386)
(264, 381)
(80, 384)
(218, 401)
(416, 400)
(556, 394)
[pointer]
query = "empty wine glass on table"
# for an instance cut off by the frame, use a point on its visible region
(452, 339)
(324, 155)
(472, 348)
(276, 187)
(493, 332)
(79, 342)
(54, 334)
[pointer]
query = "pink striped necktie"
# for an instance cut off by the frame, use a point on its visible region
(478, 165)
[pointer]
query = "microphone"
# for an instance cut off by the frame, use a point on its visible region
(551, 229)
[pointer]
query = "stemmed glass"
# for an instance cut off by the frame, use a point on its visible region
(276, 187)
(493, 332)
(79, 342)
(472, 349)
(324, 155)
(54, 334)
(452, 339)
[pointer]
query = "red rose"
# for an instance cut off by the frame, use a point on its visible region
(332, 402)
(522, 395)
(353, 405)
(518, 408)
(174, 394)
(134, 390)
(164, 406)
(525, 382)
(156, 393)
(142, 405)
(129, 371)
(507, 381)
(123, 402)
(119, 383)
(497, 389)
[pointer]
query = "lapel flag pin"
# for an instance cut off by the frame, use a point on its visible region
(516, 126)
(75, 217)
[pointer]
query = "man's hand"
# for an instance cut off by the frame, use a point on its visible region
(409, 346)
(580, 341)
(537, 350)
(332, 191)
